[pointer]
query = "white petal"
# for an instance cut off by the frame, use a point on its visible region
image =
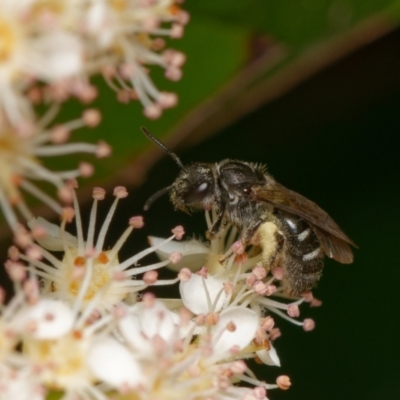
(114, 364)
(52, 241)
(269, 357)
(156, 320)
(194, 252)
(246, 323)
(130, 329)
(49, 319)
(194, 297)
(57, 56)
(19, 385)
(143, 323)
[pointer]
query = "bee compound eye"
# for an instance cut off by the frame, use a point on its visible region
(197, 193)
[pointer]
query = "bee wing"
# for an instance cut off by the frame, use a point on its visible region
(333, 241)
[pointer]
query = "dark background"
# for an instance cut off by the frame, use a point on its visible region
(334, 139)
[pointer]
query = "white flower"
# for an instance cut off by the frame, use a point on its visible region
(65, 347)
(31, 49)
(86, 269)
(52, 319)
(182, 361)
(19, 384)
(21, 154)
(203, 295)
(236, 328)
(114, 364)
(143, 323)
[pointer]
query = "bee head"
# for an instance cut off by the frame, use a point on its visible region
(194, 188)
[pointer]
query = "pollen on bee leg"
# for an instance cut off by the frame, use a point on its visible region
(267, 236)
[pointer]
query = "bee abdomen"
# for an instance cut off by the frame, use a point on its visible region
(304, 257)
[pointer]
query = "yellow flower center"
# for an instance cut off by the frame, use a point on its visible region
(101, 279)
(62, 361)
(7, 40)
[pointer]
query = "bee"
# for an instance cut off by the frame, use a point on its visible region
(293, 232)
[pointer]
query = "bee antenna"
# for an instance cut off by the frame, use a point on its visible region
(154, 197)
(165, 148)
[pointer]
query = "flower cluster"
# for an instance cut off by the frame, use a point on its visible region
(50, 49)
(49, 52)
(20, 165)
(80, 323)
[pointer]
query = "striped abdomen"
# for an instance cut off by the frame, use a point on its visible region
(303, 258)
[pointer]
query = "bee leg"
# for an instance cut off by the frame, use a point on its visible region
(249, 232)
(218, 225)
(271, 240)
